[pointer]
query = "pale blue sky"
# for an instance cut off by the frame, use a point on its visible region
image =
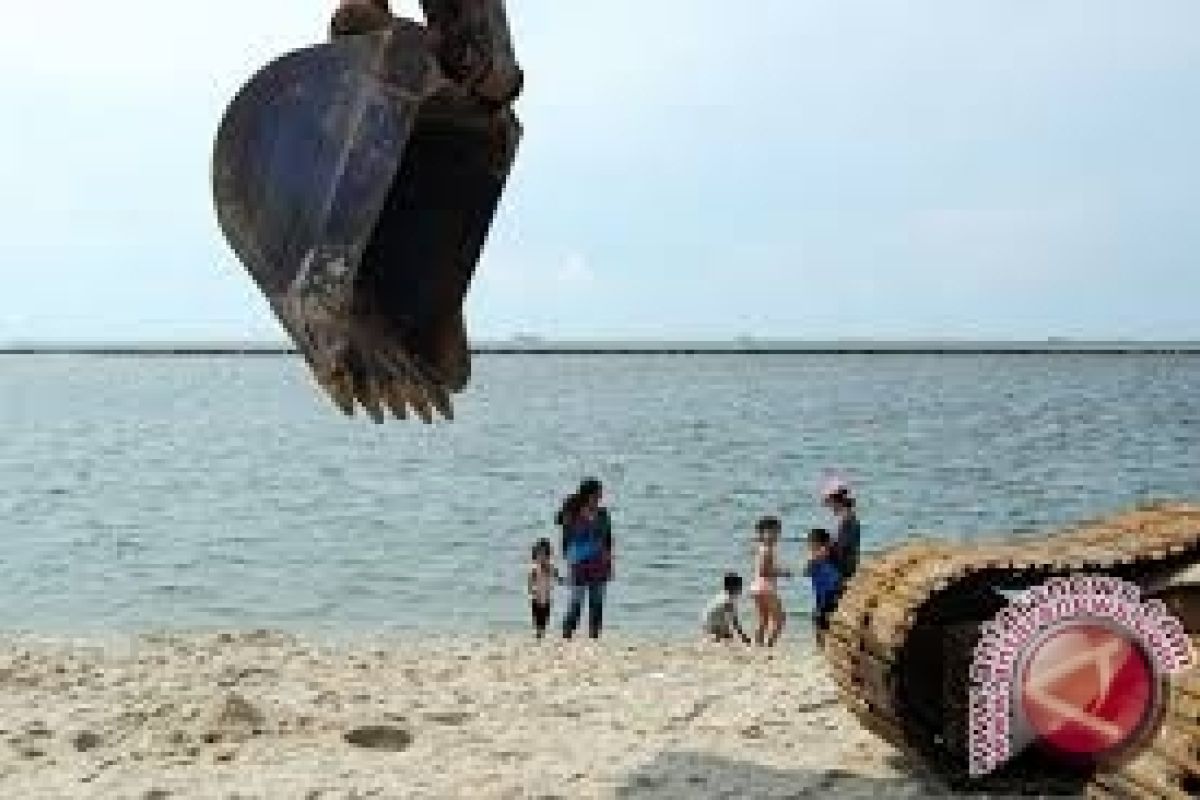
(691, 168)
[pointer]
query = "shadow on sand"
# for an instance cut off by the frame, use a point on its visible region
(701, 776)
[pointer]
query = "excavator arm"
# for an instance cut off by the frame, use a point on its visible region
(474, 46)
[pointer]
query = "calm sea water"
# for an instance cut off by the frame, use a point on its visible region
(144, 493)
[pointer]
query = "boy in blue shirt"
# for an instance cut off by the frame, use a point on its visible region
(825, 577)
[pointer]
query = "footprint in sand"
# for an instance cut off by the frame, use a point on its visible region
(85, 741)
(379, 737)
(450, 717)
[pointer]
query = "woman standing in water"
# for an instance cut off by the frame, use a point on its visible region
(847, 536)
(587, 545)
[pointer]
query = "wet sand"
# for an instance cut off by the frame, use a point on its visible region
(268, 715)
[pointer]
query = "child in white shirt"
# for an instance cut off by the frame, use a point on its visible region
(720, 619)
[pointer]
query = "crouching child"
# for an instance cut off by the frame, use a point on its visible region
(720, 620)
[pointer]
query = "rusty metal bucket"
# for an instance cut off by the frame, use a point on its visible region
(357, 184)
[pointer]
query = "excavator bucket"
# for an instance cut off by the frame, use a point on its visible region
(357, 185)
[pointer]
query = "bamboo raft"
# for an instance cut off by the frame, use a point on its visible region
(901, 643)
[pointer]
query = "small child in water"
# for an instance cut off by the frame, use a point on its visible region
(720, 618)
(826, 580)
(543, 576)
(765, 586)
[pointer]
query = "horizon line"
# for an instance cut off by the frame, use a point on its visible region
(742, 345)
(537, 339)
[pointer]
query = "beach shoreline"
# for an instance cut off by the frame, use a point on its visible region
(264, 714)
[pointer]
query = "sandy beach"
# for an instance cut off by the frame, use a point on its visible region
(266, 715)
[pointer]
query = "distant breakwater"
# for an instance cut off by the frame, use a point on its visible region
(1183, 348)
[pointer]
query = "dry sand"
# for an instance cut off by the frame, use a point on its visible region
(267, 715)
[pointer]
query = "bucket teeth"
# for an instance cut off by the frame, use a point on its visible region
(416, 398)
(341, 390)
(372, 401)
(395, 399)
(440, 399)
(417, 385)
(403, 396)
